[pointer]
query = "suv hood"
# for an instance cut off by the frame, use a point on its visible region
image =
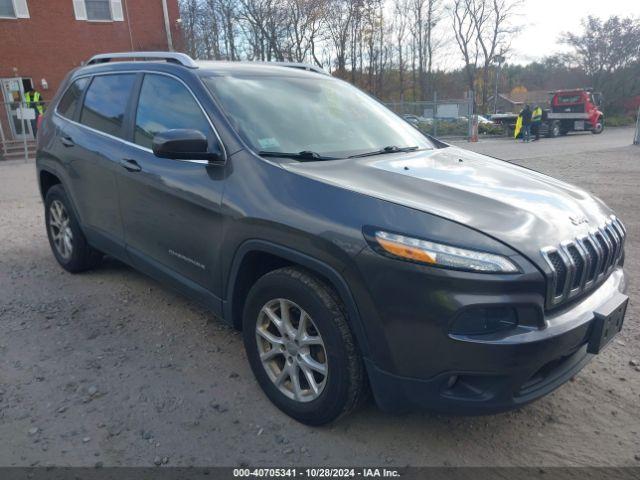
(520, 207)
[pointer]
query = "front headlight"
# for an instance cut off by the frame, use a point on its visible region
(440, 255)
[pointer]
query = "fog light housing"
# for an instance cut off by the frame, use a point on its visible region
(484, 320)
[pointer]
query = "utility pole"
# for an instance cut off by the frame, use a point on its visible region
(499, 59)
(167, 25)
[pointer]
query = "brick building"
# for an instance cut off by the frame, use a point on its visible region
(41, 40)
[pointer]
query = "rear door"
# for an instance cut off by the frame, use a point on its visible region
(171, 209)
(93, 149)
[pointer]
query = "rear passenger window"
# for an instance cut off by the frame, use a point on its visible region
(165, 104)
(106, 102)
(69, 101)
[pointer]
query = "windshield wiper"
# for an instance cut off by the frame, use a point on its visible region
(389, 149)
(304, 155)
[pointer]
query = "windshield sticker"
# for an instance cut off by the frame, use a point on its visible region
(268, 142)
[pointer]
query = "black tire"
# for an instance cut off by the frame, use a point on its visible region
(345, 385)
(599, 126)
(554, 130)
(81, 256)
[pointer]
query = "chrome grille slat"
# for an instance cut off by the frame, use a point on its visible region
(613, 232)
(584, 256)
(600, 254)
(578, 265)
(571, 267)
(606, 249)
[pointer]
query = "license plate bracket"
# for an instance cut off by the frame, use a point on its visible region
(607, 322)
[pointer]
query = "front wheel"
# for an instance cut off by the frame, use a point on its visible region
(598, 127)
(300, 347)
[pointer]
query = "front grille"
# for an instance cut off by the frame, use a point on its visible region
(579, 264)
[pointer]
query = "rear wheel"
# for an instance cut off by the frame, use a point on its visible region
(300, 347)
(554, 130)
(68, 244)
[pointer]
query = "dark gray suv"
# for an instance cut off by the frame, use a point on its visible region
(355, 253)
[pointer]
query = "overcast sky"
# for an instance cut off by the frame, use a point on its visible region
(545, 20)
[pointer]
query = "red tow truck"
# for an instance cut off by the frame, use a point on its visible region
(575, 110)
(571, 110)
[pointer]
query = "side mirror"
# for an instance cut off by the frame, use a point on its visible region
(183, 144)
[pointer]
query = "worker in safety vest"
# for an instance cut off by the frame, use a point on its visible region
(523, 124)
(536, 121)
(33, 100)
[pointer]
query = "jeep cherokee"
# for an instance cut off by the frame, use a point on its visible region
(354, 253)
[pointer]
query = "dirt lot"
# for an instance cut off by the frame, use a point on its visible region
(111, 367)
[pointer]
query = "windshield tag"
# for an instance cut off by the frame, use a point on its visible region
(268, 142)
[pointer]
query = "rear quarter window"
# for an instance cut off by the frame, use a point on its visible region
(106, 102)
(70, 100)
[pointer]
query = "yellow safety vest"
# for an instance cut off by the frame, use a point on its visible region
(537, 115)
(35, 99)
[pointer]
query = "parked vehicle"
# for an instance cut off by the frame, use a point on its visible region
(412, 119)
(575, 110)
(416, 120)
(352, 251)
(484, 120)
(571, 110)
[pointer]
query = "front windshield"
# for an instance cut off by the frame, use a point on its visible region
(309, 114)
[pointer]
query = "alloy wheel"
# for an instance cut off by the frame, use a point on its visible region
(291, 350)
(60, 228)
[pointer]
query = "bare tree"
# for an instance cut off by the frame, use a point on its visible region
(465, 34)
(482, 30)
(400, 8)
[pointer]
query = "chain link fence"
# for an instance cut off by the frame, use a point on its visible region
(444, 118)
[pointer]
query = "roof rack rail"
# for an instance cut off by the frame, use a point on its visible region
(171, 57)
(300, 66)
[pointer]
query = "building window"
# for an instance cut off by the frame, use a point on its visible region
(98, 9)
(14, 9)
(6, 9)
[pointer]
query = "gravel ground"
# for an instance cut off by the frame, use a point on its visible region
(110, 367)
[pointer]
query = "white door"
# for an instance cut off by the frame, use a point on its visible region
(13, 95)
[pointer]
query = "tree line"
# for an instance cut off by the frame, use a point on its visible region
(390, 48)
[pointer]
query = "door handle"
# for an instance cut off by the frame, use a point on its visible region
(130, 165)
(67, 141)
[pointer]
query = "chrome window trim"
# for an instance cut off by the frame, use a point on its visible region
(127, 142)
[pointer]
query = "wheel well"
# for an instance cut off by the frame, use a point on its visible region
(255, 265)
(47, 180)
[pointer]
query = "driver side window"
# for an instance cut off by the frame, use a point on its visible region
(166, 104)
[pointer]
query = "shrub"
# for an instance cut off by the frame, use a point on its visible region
(619, 121)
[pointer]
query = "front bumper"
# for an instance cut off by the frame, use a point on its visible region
(489, 375)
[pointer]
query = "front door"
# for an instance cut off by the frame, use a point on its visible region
(13, 97)
(171, 209)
